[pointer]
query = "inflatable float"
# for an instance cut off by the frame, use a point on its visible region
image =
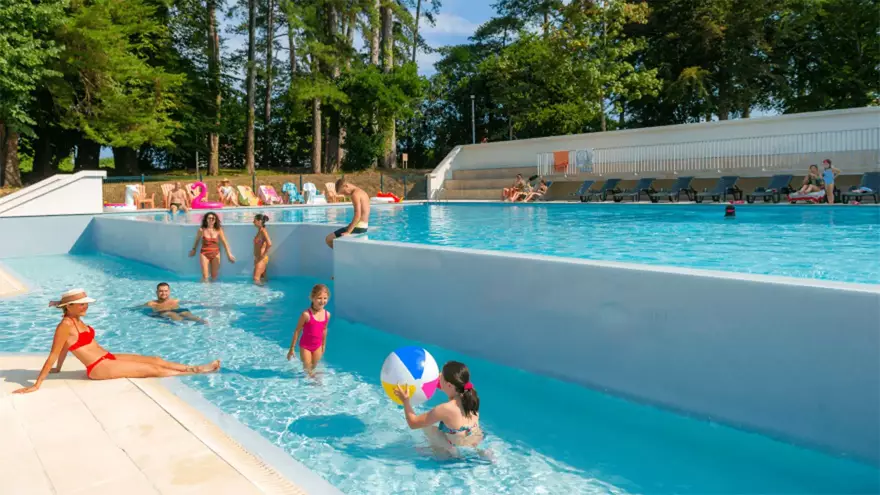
(382, 197)
(813, 197)
(130, 192)
(198, 202)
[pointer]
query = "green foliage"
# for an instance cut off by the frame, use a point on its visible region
(26, 51)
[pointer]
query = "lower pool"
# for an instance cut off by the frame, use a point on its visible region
(544, 436)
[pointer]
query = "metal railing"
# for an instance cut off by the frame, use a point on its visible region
(762, 153)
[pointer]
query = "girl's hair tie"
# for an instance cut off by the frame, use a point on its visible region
(468, 386)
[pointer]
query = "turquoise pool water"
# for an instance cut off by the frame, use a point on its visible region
(817, 242)
(545, 436)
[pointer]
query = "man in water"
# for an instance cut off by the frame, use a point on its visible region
(165, 307)
(361, 201)
(177, 198)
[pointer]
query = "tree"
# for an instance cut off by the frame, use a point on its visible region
(251, 89)
(27, 53)
(215, 87)
(389, 159)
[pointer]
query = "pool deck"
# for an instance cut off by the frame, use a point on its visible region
(77, 436)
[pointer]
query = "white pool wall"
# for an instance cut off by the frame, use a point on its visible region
(791, 358)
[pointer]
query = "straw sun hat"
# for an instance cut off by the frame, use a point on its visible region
(73, 296)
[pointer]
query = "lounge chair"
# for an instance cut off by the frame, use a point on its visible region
(610, 186)
(724, 186)
(142, 199)
(246, 196)
(582, 191)
(268, 195)
(166, 195)
(644, 185)
(779, 185)
(682, 185)
(870, 186)
(312, 196)
(293, 196)
(332, 195)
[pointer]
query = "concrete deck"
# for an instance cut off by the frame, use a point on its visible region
(77, 436)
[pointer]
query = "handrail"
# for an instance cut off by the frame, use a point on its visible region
(438, 176)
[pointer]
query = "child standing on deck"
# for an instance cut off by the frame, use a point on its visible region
(829, 173)
(313, 325)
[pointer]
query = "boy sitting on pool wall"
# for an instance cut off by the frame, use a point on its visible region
(165, 307)
(361, 201)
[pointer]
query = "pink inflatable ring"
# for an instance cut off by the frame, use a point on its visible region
(198, 204)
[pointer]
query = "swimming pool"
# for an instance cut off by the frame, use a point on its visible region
(817, 242)
(545, 436)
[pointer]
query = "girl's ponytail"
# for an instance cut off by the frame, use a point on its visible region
(459, 376)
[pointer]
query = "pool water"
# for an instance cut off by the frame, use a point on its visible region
(543, 436)
(817, 242)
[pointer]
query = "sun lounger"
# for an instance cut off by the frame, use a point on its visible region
(610, 186)
(582, 191)
(779, 185)
(635, 194)
(166, 195)
(332, 195)
(869, 187)
(724, 186)
(293, 196)
(268, 195)
(246, 196)
(312, 196)
(682, 185)
(142, 199)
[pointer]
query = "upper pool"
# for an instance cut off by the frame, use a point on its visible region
(818, 242)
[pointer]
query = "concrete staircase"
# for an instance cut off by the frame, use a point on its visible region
(483, 184)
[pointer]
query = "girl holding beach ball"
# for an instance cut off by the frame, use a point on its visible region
(456, 422)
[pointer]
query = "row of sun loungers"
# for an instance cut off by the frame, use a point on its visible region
(777, 189)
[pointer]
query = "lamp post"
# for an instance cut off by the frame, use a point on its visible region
(473, 123)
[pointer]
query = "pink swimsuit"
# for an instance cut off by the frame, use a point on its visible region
(313, 332)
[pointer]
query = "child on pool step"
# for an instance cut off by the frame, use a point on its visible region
(313, 326)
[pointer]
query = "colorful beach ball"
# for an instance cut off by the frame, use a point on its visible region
(413, 367)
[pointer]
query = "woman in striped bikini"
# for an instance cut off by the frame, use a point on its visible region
(211, 235)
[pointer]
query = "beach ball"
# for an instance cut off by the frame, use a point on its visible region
(413, 367)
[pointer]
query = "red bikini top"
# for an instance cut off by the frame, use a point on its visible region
(83, 338)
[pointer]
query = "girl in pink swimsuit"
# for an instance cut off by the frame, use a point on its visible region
(313, 325)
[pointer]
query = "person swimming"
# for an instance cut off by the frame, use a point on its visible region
(166, 307)
(313, 326)
(211, 236)
(457, 420)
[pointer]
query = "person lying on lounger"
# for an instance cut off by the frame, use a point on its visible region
(537, 193)
(166, 307)
(508, 193)
(812, 182)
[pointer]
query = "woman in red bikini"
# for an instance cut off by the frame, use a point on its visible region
(75, 336)
(211, 234)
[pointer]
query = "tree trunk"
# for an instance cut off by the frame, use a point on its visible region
(416, 30)
(333, 150)
(88, 155)
(125, 160)
(622, 118)
(747, 112)
(291, 42)
(214, 85)
(2, 148)
(43, 151)
(11, 172)
(251, 63)
(316, 136)
(390, 148)
(267, 113)
(509, 128)
(375, 29)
